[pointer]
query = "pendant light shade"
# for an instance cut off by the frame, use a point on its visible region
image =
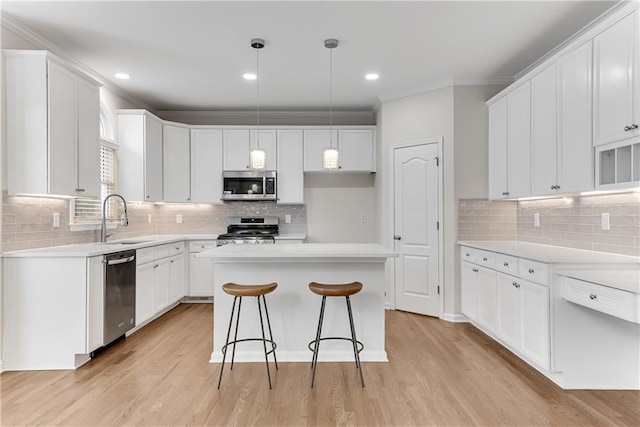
(331, 156)
(257, 156)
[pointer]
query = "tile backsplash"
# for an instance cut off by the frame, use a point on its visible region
(27, 222)
(573, 222)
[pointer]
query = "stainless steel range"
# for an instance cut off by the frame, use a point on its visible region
(253, 230)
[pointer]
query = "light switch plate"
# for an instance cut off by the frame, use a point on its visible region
(605, 222)
(56, 219)
(536, 220)
(178, 219)
(287, 219)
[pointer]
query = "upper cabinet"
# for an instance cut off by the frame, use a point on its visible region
(206, 165)
(238, 144)
(617, 87)
(52, 126)
(140, 156)
(176, 160)
(356, 147)
(290, 179)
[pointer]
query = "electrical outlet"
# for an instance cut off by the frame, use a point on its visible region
(287, 219)
(56, 220)
(536, 220)
(605, 222)
(178, 219)
(363, 218)
(149, 218)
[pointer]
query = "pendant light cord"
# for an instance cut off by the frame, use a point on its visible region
(331, 98)
(258, 95)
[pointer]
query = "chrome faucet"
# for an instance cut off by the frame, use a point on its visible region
(103, 230)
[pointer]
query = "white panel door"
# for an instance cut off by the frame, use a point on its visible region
(161, 277)
(290, 178)
(206, 165)
(176, 171)
(498, 149)
(144, 292)
(357, 150)
(519, 141)
(200, 276)
(469, 291)
(544, 154)
(63, 130)
(487, 297)
(575, 148)
(315, 141)
(268, 144)
(176, 278)
(416, 219)
(508, 310)
(153, 159)
(236, 144)
(88, 139)
(534, 329)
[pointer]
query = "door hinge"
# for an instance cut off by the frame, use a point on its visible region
(438, 289)
(437, 159)
(437, 225)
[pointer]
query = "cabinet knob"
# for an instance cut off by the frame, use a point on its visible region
(632, 127)
(506, 264)
(531, 270)
(516, 285)
(484, 259)
(79, 190)
(475, 270)
(148, 197)
(593, 296)
(555, 187)
(396, 237)
(506, 193)
(467, 254)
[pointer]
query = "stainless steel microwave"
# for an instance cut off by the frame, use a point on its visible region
(249, 185)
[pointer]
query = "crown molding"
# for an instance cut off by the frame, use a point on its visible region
(22, 31)
(252, 113)
(448, 82)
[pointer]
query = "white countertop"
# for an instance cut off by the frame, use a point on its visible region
(628, 280)
(550, 254)
(307, 250)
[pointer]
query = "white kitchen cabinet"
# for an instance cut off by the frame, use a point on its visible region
(544, 143)
(290, 177)
(534, 324)
(510, 144)
(140, 156)
(176, 278)
(161, 276)
(95, 303)
(237, 145)
(144, 292)
(486, 297)
(176, 171)
(356, 147)
(52, 126)
(200, 270)
(508, 308)
(206, 165)
(616, 82)
(469, 290)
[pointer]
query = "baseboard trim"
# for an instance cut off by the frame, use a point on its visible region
(455, 318)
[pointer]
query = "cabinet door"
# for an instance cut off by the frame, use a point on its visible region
(534, 326)
(519, 141)
(200, 276)
(290, 167)
(469, 291)
(508, 310)
(206, 165)
(544, 156)
(486, 284)
(88, 139)
(95, 303)
(315, 141)
(498, 149)
(176, 278)
(268, 144)
(236, 145)
(575, 149)
(63, 130)
(357, 150)
(153, 159)
(161, 277)
(144, 292)
(616, 93)
(176, 164)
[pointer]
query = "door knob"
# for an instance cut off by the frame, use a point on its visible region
(396, 237)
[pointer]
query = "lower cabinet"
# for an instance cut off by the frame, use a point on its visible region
(513, 310)
(200, 270)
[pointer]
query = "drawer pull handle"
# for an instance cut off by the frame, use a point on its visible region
(516, 284)
(475, 270)
(593, 296)
(467, 254)
(484, 259)
(531, 270)
(506, 264)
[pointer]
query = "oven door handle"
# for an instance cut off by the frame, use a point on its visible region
(121, 260)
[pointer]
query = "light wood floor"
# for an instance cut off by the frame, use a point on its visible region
(438, 373)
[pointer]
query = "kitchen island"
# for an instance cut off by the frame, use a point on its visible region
(293, 308)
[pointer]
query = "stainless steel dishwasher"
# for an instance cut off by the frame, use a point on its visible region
(120, 294)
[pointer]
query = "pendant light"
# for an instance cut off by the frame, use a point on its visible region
(257, 156)
(330, 156)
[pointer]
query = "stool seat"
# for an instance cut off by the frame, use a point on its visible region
(337, 290)
(248, 290)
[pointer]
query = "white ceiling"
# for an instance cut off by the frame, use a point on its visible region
(192, 55)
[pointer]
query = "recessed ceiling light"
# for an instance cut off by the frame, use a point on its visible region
(371, 76)
(122, 76)
(249, 76)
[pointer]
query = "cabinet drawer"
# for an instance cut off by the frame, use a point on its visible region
(161, 251)
(201, 245)
(507, 264)
(615, 302)
(537, 272)
(176, 248)
(488, 259)
(469, 254)
(144, 255)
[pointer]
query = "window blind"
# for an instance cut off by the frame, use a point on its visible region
(90, 209)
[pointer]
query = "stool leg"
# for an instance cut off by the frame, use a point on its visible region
(235, 336)
(264, 343)
(264, 301)
(224, 348)
(316, 348)
(353, 339)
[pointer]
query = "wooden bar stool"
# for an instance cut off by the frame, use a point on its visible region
(239, 291)
(337, 290)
